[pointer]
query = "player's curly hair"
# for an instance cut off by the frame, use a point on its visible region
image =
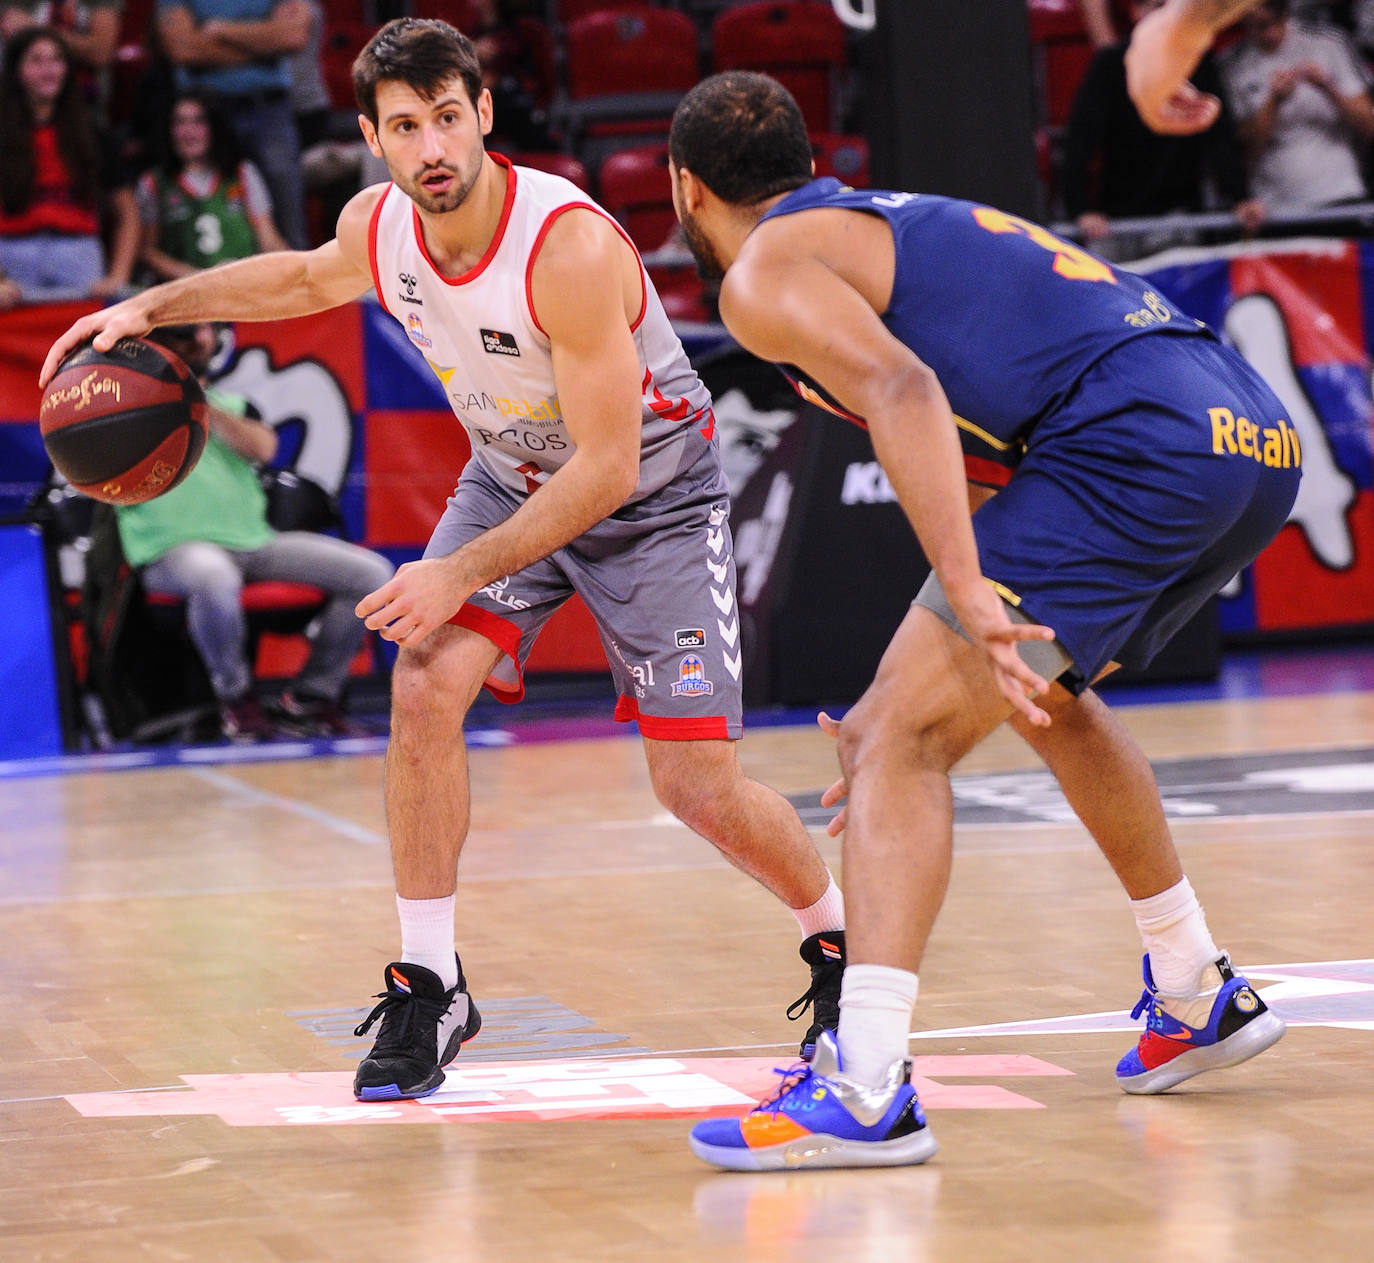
(424, 53)
(743, 136)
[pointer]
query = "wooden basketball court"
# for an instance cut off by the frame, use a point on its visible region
(187, 948)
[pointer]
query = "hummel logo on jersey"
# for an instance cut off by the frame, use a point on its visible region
(410, 283)
(494, 342)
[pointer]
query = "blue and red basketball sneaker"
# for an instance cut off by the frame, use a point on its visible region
(1225, 1024)
(820, 1118)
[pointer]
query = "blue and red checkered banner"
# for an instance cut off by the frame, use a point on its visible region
(358, 413)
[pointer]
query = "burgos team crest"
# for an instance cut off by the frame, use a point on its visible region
(416, 330)
(691, 678)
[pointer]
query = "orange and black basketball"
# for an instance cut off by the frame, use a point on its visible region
(123, 425)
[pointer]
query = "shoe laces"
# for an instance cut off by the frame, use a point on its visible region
(823, 978)
(401, 1014)
(1147, 998)
(789, 1077)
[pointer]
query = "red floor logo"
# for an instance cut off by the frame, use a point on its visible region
(543, 1090)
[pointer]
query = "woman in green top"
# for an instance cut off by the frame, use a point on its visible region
(208, 536)
(202, 205)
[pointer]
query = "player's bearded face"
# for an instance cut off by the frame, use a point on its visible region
(440, 186)
(709, 266)
(432, 146)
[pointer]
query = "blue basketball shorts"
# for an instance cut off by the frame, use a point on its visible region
(1166, 471)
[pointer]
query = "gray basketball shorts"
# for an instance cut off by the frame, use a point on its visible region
(1047, 658)
(657, 576)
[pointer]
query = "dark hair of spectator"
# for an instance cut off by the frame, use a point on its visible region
(224, 153)
(742, 135)
(76, 140)
(423, 53)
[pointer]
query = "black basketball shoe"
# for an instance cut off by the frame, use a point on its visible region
(824, 952)
(423, 1027)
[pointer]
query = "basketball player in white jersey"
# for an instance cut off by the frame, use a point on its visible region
(532, 308)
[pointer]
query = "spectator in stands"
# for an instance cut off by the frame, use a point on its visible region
(202, 204)
(512, 72)
(1301, 97)
(1115, 166)
(90, 29)
(57, 180)
(238, 49)
(309, 94)
(208, 536)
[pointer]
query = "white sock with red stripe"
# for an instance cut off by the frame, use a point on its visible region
(827, 913)
(875, 1020)
(427, 936)
(1176, 936)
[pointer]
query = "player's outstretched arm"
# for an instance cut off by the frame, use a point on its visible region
(784, 304)
(1165, 48)
(264, 287)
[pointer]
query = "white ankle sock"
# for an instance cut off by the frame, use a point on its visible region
(1175, 935)
(875, 1020)
(427, 936)
(827, 913)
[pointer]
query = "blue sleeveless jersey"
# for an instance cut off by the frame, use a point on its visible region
(1007, 315)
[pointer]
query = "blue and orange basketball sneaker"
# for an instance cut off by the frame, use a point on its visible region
(1225, 1024)
(820, 1118)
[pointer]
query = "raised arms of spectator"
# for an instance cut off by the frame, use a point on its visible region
(1165, 48)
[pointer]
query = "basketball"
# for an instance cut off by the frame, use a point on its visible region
(123, 425)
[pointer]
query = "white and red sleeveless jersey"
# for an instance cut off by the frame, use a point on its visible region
(481, 338)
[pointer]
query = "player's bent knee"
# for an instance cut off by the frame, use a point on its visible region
(878, 729)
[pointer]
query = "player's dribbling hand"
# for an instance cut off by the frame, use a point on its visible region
(1164, 50)
(107, 326)
(419, 597)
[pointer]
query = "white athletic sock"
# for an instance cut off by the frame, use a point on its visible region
(875, 1020)
(427, 936)
(827, 913)
(1175, 935)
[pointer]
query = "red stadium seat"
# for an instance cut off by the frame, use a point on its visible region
(1062, 51)
(340, 42)
(464, 14)
(636, 49)
(801, 43)
(844, 157)
(571, 10)
(635, 189)
(679, 290)
(563, 164)
(626, 71)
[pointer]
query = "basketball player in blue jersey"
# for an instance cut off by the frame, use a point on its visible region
(533, 310)
(1140, 464)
